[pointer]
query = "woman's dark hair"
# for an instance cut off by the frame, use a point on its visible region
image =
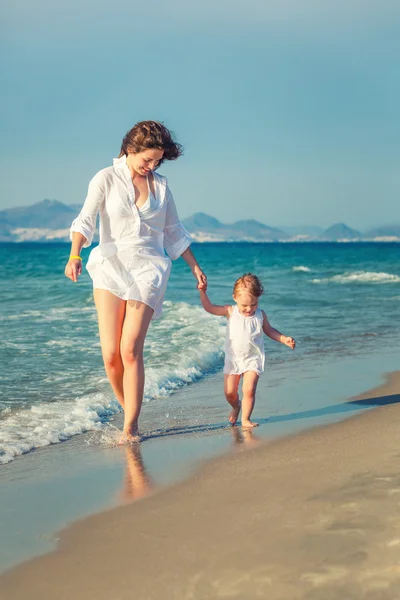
(151, 135)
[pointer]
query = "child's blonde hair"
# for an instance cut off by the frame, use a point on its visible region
(250, 283)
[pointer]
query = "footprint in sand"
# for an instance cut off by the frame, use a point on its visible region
(325, 576)
(232, 584)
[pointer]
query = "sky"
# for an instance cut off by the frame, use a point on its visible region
(288, 110)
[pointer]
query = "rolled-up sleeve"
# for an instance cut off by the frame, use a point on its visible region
(85, 222)
(176, 238)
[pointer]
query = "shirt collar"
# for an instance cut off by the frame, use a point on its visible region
(120, 163)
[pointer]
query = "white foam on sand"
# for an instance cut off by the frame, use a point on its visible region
(52, 422)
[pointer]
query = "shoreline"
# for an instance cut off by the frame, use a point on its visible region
(47, 490)
(302, 525)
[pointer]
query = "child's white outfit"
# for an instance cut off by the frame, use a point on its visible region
(244, 345)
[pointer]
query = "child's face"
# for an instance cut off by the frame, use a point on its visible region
(247, 303)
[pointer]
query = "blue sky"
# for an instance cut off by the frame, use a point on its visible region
(288, 110)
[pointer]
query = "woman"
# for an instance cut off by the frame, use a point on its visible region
(129, 268)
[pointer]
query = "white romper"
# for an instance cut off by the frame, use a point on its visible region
(244, 345)
(130, 260)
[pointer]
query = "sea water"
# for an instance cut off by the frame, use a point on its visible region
(340, 301)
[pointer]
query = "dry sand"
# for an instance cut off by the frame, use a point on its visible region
(315, 516)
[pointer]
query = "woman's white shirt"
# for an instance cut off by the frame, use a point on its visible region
(111, 194)
(130, 260)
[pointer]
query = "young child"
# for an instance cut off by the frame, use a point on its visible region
(244, 346)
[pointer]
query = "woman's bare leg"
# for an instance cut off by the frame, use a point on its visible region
(134, 330)
(250, 380)
(111, 314)
(231, 386)
(137, 482)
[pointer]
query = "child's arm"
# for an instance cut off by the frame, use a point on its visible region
(214, 309)
(276, 335)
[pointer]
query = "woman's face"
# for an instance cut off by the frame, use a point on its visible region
(145, 161)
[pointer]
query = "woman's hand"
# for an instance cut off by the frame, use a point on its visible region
(201, 278)
(73, 269)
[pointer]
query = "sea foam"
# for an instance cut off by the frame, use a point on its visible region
(180, 349)
(360, 277)
(301, 269)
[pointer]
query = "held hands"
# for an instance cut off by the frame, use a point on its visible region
(73, 269)
(288, 341)
(201, 278)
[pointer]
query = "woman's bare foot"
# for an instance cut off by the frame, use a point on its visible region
(248, 424)
(234, 414)
(129, 438)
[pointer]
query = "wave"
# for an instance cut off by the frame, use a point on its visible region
(301, 269)
(361, 277)
(50, 423)
(51, 314)
(180, 349)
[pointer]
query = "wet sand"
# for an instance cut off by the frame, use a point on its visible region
(313, 516)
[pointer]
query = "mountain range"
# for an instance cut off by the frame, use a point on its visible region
(49, 221)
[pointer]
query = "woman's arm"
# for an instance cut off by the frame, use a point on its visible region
(190, 259)
(214, 309)
(276, 335)
(177, 241)
(84, 226)
(74, 266)
(176, 238)
(85, 223)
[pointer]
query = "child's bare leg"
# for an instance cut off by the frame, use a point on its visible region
(231, 386)
(250, 380)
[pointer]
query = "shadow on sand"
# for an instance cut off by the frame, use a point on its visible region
(334, 409)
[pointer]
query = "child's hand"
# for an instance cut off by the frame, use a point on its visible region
(289, 341)
(201, 278)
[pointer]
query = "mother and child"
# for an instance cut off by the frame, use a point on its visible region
(130, 271)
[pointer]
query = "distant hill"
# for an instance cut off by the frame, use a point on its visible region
(306, 231)
(201, 221)
(50, 220)
(206, 228)
(390, 231)
(46, 214)
(340, 231)
(76, 208)
(257, 230)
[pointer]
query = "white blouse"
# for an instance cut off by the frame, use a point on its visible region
(130, 260)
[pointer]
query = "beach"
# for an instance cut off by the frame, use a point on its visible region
(191, 494)
(314, 515)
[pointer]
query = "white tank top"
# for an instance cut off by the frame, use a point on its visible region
(149, 205)
(244, 345)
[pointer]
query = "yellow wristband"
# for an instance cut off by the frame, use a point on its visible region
(80, 258)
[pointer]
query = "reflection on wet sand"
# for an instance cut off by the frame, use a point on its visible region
(137, 482)
(244, 436)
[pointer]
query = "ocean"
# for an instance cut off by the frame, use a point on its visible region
(340, 301)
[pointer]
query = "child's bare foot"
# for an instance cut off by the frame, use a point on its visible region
(248, 424)
(234, 414)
